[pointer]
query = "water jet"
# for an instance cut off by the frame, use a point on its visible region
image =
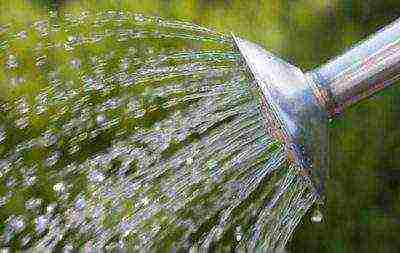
(118, 128)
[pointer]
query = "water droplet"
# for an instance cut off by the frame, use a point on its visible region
(3, 200)
(139, 18)
(11, 182)
(145, 201)
(51, 207)
(49, 139)
(16, 80)
(80, 203)
(71, 38)
(111, 104)
(92, 84)
(182, 134)
(189, 161)
(140, 113)
(101, 119)
(41, 60)
(133, 105)
(11, 62)
(317, 216)
(211, 164)
(52, 159)
(22, 106)
(238, 233)
(40, 109)
(125, 227)
(30, 180)
(68, 248)
(33, 203)
(75, 63)
(16, 223)
(25, 240)
(41, 223)
(22, 123)
(121, 244)
(59, 188)
(73, 149)
(96, 176)
(4, 167)
(124, 64)
(22, 35)
(42, 27)
(2, 134)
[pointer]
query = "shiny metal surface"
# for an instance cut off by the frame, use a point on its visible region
(365, 69)
(293, 111)
(297, 106)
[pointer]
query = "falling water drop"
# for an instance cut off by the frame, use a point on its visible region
(140, 113)
(73, 149)
(22, 106)
(68, 248)
(80, 203)
(2, 134)
(96, 176)
(30, 180)
(4, 167)
(17, 80)
(41, 223)
(71, 39)
(101, 119)
(11, 182)
(52, 159)
(22, 123)
(238, 233)
(33, 203)
(317, 216)
(3, 200)
(52, 206)
(139, 18)
(11, 62)
(189, 161)
(49, 139)
(16, 223)
(133, 105)
(40, 109)
(59, 188)
(22, 35)
(25, 240)
(124, 65)
(75, 63)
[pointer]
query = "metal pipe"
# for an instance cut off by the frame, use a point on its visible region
(360, 72)
(297, 105)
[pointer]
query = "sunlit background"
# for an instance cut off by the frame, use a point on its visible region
(362, 212)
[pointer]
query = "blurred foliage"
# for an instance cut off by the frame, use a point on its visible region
(362, 212)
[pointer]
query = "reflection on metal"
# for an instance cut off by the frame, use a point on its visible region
(291, 108)
(297, 106)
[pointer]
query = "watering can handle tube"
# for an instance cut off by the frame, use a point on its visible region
(363, 70)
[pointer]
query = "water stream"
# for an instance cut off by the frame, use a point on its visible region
(123, 130)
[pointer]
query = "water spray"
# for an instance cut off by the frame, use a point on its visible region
(120, 130)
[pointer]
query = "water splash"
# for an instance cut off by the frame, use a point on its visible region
(135, 130)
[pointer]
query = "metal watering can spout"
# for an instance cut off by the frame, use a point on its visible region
(297, 106)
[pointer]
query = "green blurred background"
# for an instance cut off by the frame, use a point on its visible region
(362, 212)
